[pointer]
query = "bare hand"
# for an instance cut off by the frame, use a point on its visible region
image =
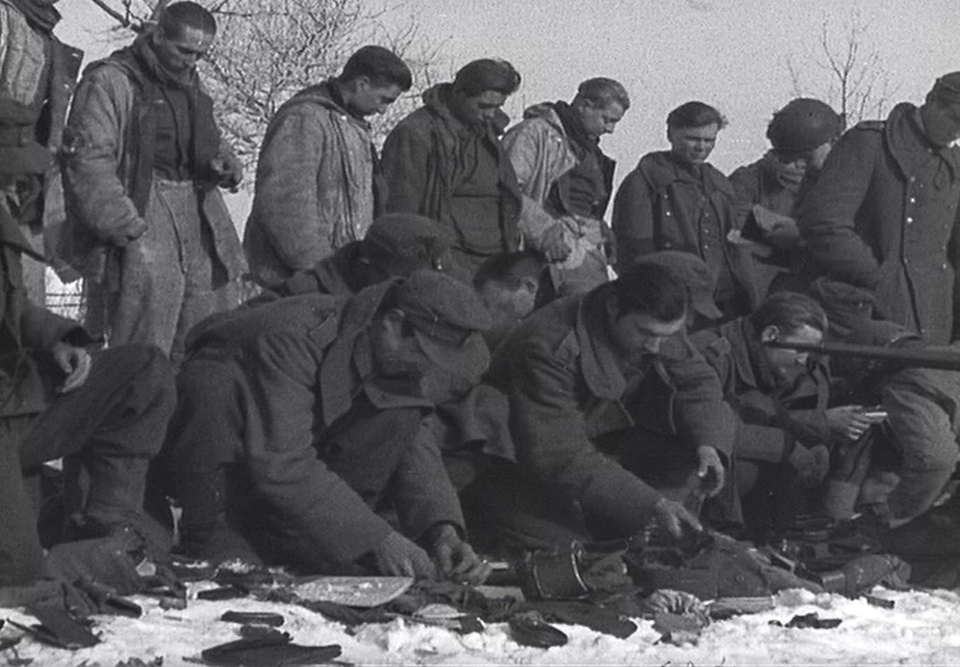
(710, 471)
(75, 363)
(553, 244)
(397, 556)
(456, 559)
(672, 516)
(850, 422)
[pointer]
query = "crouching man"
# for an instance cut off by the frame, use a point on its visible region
(617, 420)
(298, 419)
(55, 400)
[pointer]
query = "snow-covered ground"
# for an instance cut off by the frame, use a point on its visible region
(923, 628)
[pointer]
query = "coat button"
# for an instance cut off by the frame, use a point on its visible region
(913, 179)
(944, 266)
(913, 200)
(668, 214)
(909, 221)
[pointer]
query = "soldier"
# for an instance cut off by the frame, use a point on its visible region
(319, 185)
(616, 419)
(567, 181)
(445, 161)
(880, 223)
(149, 228)
(770, 190)
(676, 200)
(296, 419)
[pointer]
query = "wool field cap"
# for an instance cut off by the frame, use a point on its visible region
(692, 272)
(802, 125)
(947, 88)
(447, 317)
(406, 242)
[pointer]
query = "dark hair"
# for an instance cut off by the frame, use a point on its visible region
(485, 74)
(382, 66)
(695, 114)
(509, 269)
(789, 311)
(652, 290)
(174, 18)
(602, 92)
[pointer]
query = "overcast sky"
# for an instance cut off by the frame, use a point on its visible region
(728, 53)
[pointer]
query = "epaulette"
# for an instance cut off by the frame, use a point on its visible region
(875, 125)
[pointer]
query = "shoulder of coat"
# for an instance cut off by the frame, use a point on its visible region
(872, 125)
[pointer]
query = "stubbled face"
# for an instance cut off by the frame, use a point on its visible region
(367, 99)
(809, 161)
(598, 121)
(693, 145)
(788, 364)
(478, 109)
(637, 334)
(182, 53)
(941, 122)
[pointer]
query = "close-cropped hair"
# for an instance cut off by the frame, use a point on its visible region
(479, 76)
(382, 66)
(695, 114)
(602, 92)
(174, 18)
(652, 290)
(790, 312)
(509, 269)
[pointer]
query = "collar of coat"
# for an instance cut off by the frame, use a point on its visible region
(662, 170)
(436, 99)
(599, 362)
(903, 134)
(324, 94)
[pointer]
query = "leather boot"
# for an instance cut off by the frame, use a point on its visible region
(204, 529)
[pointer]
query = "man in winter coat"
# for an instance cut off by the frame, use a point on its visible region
(770, 190)
(567, 181)
(617, 420)
(319, 185)
(445, 161)
(39, 74)
(676, 200)
(881, 220)
(55, 400)
(149, 228)
(297, 419)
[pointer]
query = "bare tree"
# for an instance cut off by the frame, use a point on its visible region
(851, 75)
(267, 50)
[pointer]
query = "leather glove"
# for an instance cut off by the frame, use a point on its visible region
(811, 463)
(227, 170)
(399, 557)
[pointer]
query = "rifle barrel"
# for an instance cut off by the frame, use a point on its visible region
(939, 358)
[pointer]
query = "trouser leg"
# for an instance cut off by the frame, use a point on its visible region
(146, 307)
(21, 557)
(204, 441)
(115, 422)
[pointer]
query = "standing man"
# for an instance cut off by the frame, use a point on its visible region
(38, 74)
(617, 420)
(445, 161)
(567, 181)
(318, 179)
(149, 228)
(881, 219)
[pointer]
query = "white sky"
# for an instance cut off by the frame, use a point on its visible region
(729, 53)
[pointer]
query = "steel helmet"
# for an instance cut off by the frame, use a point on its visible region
(802, 125)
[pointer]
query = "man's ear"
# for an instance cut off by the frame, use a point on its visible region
(770, 333)
(612, 306)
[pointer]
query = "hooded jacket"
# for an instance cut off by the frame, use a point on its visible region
(108, 170)
(423, 162)
(318, 186)
(541, 154)
(882, 218)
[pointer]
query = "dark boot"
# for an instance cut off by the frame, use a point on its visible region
(204, 529)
